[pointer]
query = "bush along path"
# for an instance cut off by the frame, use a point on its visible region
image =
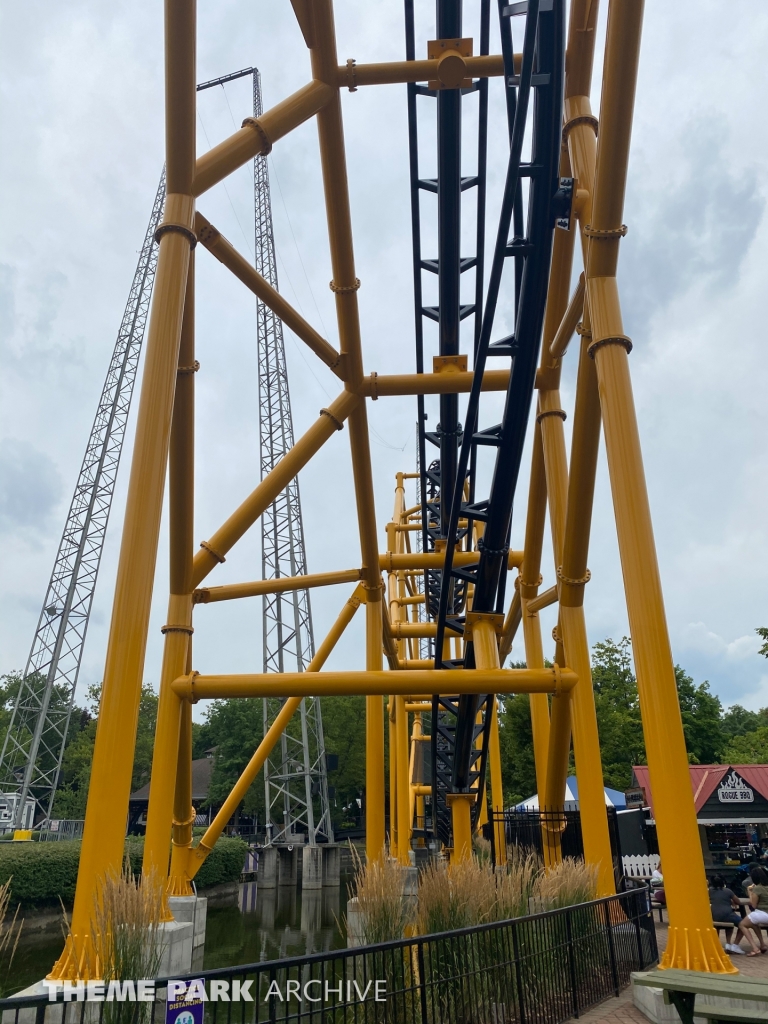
(43, 873)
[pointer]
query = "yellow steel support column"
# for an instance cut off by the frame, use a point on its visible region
(183, 811)
(486, 649)
(404, 821)
(104, 833)
(161, 810)
(344, 286)
(573, 643)
(375, 837)
(528, 586)
(497, 788)
(461, 824)
(693, 943)
(391, 718)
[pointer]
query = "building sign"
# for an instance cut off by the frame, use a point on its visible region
(734, 790)
(635, 797)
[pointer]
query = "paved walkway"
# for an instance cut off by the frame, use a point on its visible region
(622, 1011)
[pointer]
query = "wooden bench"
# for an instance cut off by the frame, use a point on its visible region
(691, 992)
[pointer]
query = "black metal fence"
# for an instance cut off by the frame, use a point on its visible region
(531, 829)
(540, 969)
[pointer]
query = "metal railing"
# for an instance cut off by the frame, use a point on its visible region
(61, 828)
(540, 969)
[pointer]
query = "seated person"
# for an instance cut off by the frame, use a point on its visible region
(725, 907)
(657, 885)
(757, 918)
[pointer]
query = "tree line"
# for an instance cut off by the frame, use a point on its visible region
(232, 729)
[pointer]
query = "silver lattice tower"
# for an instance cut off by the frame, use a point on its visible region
(295, 780)
(33, 746)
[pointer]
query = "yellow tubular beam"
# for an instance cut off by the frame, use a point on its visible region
(214, 551)
(375, 682)
(233, 591)
(568, 324)
(393, 835)
(258, 135)
(103, 837)
(453, 383)
(401, 71)
(436, 559)
(375, 836)
(404, 814)
(511, 625)
(461, 822)
(543, 600)
(168, 758)
(572, 641)
(183, 811)
(497, 788)
(198, 854)
(528, 587)
(226, 253)
(693, 943)
(557, 773)
(487, 657)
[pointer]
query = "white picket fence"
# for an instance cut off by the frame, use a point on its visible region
(636, 866)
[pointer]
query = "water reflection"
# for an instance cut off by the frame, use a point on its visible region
(270, 924)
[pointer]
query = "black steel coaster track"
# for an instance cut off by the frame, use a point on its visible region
(448, 266)
(460, 728)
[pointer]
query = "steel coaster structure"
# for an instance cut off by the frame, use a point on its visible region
(295, 775)
(573, 191)
(33, 747)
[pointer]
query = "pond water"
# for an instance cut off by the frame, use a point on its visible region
(265, 925)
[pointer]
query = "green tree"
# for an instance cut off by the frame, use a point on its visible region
(737, 721)
(72, 793)
(344, 732)
(235, 728)
(762, 632)
(750, 748)
(617, 708)
(702, 715)
(518, 768)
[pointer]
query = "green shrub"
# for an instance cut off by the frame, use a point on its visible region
(44, 872)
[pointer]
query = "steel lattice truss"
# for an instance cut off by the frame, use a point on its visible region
(34, 743)
(295, 779)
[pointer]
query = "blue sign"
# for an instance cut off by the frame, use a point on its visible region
(187, 1011)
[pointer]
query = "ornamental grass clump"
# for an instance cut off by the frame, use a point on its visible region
(9, 935)
(454, 897)
(128, 914)
(516, 884)
(565, 884)
(384, 910)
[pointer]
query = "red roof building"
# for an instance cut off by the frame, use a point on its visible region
(736, 793)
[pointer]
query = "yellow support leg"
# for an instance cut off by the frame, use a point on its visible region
(375, 838)
(497, 788)
(403, 788)
(461, 824)
(693, 943)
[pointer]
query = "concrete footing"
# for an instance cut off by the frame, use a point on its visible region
(312, 867)
(355, 924)
(288, 859)
(194, 909)
(279, 865)
(331, 864)
(176, 938)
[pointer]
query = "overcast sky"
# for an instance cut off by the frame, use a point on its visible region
(82, 150)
